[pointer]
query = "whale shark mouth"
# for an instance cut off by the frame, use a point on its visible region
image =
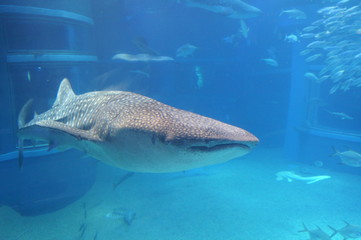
(219, 147)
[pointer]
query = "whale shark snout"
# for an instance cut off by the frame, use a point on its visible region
(134, 132)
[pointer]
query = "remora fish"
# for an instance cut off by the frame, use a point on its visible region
(134, 132)
(229, 8)
(290, 176)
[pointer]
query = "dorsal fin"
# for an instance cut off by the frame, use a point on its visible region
(65, 93)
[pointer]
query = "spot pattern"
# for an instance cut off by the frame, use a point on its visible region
(105, 113)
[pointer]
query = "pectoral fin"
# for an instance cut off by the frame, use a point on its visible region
(75, 132)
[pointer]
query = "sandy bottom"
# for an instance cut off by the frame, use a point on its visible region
(239, 200)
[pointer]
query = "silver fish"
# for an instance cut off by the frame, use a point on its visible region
(336, 37)
(313, 57)
(294, 13)
(311, 76)
(349, 158)
(315, 234)
(186, 50)
(270, 61)
(348, 231)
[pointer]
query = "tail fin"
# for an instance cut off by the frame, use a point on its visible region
(334, 231)
(21, 123)
(346, 223)
(335, 151)
(24, 112)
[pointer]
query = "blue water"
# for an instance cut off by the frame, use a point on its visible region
(68, 195)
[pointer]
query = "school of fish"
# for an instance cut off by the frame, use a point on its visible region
(335, 39)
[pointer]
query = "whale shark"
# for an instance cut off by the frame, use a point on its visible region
(133, 132)
(230, 8)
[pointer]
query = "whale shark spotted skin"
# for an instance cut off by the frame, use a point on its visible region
(134, 132)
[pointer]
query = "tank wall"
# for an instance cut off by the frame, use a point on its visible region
(79, 6)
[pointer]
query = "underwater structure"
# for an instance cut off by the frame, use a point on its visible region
(318, 116)
(30, 62)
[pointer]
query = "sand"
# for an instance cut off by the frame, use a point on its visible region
(238, 200)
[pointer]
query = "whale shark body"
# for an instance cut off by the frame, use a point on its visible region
(134, 132)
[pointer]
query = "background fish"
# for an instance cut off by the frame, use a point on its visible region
(349, 158)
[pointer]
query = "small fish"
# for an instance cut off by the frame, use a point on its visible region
(311, 76)
(313, 57)
(305, 52)
(327, 10)
(343, 2)
(309, 28)
(234, 39)
(200, 80)
(317, 44)
(186, 50)
(315, 234)
(294, 13)
(336, 76)
(341, 115)
(28, 76)
(292, 38)
(307, 35)
(244, 29)
(270, 61)
(142, 57)
(290, 176)
(334, 89)
(349, 158)
(348, 231)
